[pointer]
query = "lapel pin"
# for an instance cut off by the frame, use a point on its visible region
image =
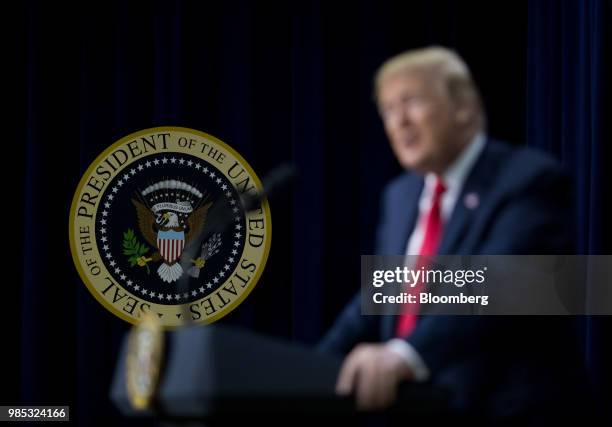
(471, 200)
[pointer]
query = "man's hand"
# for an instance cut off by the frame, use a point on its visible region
(372, 373)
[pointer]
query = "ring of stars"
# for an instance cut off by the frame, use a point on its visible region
(237, 233)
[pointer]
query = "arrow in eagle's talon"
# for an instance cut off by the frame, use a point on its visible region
(199, 263)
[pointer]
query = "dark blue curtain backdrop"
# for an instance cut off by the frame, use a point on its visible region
(568, 100)
(280, 82)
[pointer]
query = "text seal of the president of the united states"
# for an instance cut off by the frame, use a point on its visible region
(157, 225)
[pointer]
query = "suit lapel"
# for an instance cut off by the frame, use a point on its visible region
(403, 216)
(402, 220)
(466, 206)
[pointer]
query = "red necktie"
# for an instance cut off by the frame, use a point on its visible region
(431, 240)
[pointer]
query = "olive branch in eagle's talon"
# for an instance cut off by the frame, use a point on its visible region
(135, 250)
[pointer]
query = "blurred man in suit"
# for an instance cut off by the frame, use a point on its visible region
(462, 194)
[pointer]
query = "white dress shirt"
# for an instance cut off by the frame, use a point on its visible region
(453, 178)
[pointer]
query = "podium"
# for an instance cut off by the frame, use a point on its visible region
(217, 374)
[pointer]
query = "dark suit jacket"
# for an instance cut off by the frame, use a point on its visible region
(495, 366)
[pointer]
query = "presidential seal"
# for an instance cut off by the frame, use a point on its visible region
(157, 227)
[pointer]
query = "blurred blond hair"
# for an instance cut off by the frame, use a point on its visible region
(436, 59)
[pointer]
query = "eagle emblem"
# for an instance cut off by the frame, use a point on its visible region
(170, 214)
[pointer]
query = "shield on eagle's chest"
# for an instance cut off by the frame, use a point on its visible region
(170, 244)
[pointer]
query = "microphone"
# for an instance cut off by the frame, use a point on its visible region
(279, 178)
(275, 181)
